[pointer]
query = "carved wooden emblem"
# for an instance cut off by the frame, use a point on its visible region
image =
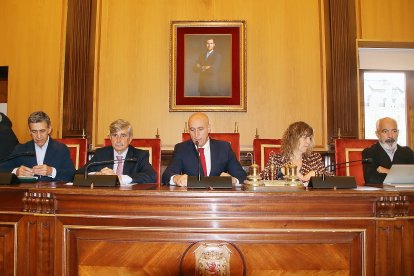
(212, 259)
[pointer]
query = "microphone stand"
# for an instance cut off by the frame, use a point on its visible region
(7, 178)
(10, 157)
(363, 161)
(85, 176)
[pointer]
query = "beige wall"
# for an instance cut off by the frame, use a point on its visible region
(285, 61)
(386, 20)
(31, 45)
(284, 66)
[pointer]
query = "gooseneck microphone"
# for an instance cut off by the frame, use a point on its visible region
(199, 161)
(330, 166)
(7, 178)
(10, 157)
(105, 163)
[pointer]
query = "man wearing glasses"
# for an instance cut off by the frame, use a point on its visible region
(130, 164)
(42, 157)
(385, 152)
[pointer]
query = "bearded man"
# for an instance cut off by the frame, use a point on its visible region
(385, 152)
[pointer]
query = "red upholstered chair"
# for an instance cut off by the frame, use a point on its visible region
(78, 148)
(349, 150)
(232, 138)
(262, 148)
(153, 146)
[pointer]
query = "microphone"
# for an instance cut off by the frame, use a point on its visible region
(7, 178)
(10, 157)
(199, 162)
(363, 161)
(336, 182)
(104, 163)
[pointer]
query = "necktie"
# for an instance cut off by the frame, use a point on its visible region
(120, 167)
(203, 160)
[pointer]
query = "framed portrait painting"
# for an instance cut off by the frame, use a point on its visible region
(207, 70)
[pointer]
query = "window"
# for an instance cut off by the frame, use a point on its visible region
(385, 96)
(386, 75)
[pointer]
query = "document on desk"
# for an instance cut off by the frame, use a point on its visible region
(366, 188)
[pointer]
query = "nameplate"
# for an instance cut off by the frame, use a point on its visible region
(96, 180)
(209, 182)
(332, 182)
(8, 178)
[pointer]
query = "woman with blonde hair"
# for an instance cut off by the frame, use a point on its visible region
(296, 149)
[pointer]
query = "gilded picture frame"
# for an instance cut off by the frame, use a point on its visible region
(208, 66)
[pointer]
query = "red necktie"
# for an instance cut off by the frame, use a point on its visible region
(203, 160)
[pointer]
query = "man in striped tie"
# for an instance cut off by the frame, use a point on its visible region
(130, 164)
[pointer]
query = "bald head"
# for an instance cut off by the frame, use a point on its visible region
(199, 127)
(386, 121)
(387, 131)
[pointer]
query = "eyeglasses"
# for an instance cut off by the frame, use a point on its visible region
(392, 131)
(123, 136)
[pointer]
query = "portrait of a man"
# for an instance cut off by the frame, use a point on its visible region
(207, 66)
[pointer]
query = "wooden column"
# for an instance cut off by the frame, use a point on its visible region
(342, 91)
(79, 68)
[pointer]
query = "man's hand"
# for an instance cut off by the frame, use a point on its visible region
(382, 170)
(107, 171)
(44, 170)
(24, 171)
(233, 179)
(180, 180)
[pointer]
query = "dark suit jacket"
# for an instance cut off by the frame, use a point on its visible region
(57, 156)
(8, 139)
(208, 84)
(140, 171)
(185, 161)
(403, 155)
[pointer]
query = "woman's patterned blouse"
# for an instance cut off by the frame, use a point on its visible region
(310, 162)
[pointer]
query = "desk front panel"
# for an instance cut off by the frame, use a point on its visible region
(82, 231)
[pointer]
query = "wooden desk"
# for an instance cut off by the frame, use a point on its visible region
(49, 229)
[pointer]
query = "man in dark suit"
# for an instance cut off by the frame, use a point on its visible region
(220, 159)
(8, 139)
(208, 66)
(133, 165)
(385, 152)
(41, 157)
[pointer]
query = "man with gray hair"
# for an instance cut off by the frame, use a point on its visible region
(385, 152)
(42, 157)
(130, 164)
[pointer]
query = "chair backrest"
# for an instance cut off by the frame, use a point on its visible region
(232, 138)
(262, 148)
(153, 146)
(351, 150)
(78, 148)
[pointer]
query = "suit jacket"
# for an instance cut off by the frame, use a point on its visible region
(403, 155)
(8, 139)
(185, 161)
(208, 84)
(140, 171)
(57, 156)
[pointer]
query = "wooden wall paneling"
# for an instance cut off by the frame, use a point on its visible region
(343, 96)
(75, 230)
(386, 20)
(8, 248)
(410, 108)
(36, 245)
(79, 68)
